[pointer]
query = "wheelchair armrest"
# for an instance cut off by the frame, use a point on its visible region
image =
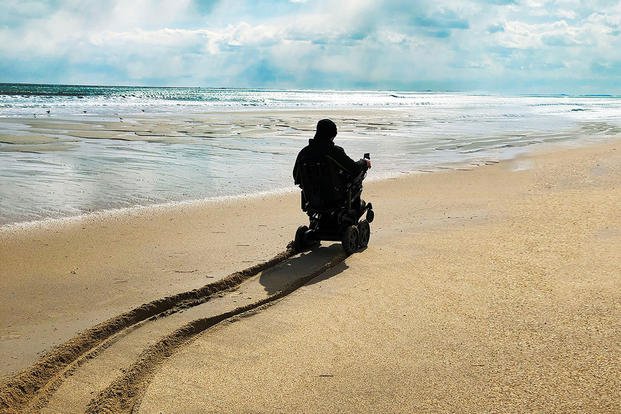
(356, 180)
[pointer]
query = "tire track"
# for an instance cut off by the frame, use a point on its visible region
(95, 371)
(42, 378)
(124, 394)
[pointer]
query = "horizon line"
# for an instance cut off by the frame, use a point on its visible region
(263, 88)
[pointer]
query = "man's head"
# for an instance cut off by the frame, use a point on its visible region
(326, 130)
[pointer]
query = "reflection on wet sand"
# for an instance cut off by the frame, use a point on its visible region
(85, 163)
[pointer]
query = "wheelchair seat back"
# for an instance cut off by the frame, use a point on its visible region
(323, 186)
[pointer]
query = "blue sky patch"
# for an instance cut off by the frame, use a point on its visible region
(505, 46)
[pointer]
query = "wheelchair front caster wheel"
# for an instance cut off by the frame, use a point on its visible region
(370, 215)
(350, 239)
(303, 240)
(364, 233)
(299, 242)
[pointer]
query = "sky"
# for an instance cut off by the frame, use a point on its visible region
(513, 46)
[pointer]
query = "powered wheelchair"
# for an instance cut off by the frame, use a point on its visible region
(333, 204)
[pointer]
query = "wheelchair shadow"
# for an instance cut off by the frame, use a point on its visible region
(283, 275)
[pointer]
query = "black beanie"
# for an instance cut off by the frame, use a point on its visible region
(326, 130)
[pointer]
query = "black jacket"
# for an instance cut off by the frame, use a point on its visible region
(319, 149)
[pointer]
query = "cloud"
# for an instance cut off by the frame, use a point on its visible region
(443, 20)
(448, 44)
(496, 28)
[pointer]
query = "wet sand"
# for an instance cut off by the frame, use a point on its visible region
(83, 163)
(58, 167)
(490, 289)
(196, 127)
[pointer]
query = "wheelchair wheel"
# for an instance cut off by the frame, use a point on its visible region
(364, 233)
(300, 238)
(350, 239)
(370, 215)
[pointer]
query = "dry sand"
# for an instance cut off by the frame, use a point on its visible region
(494, 290)
(62, 277)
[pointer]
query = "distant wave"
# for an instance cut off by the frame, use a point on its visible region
(32, 100)
(80, 91)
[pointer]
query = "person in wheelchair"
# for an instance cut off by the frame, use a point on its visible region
(331, 184)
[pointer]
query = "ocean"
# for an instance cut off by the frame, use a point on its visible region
(68, 150)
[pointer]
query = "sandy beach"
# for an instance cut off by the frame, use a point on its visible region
(487, 289)
(148, 212)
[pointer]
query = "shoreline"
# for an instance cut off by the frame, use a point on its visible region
(84, 166)
(133, 211)
(54, 222)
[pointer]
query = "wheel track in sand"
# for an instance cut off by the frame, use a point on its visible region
(125, 393)
(24, 386)
(122, 353)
